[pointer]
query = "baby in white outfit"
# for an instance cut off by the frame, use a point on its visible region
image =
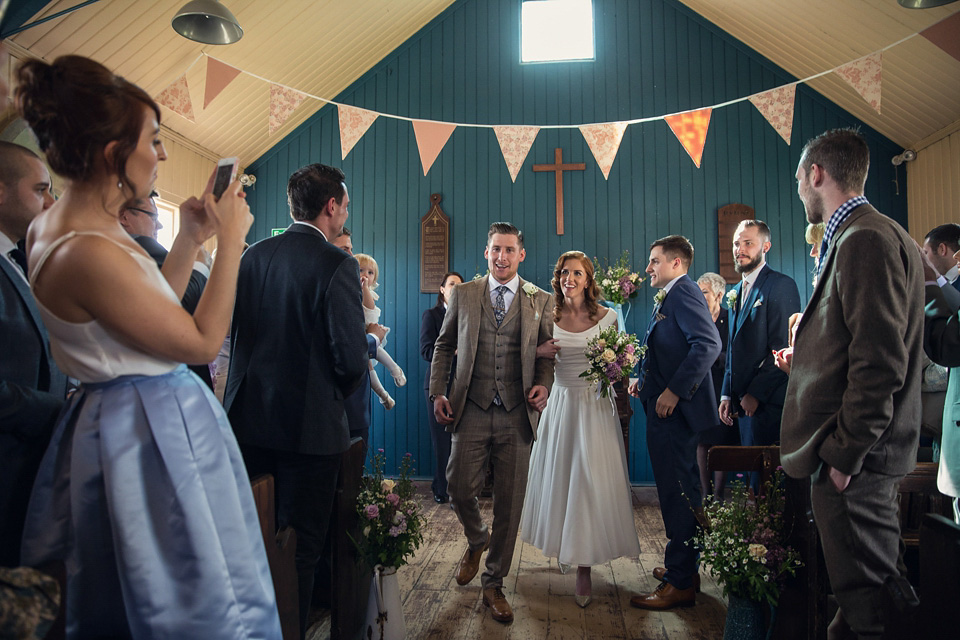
(369, 273)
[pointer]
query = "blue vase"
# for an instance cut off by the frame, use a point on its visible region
(621, 314)
(744, 620)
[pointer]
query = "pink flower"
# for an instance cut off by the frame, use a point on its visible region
(371, 511)
(393, 499)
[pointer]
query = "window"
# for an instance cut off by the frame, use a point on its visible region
(170, 219)
(554, 30)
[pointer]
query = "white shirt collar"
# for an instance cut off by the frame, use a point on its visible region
(513, 284)
(312, 226)
(669, 285)
(952, 273)
(751, 278)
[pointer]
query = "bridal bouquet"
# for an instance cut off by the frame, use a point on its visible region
(744, 542)
(391, 518)
(618, 282)
(611, 355)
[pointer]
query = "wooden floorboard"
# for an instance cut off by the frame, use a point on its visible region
(436, 608)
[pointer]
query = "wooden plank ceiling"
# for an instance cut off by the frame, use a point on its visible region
(321, 46)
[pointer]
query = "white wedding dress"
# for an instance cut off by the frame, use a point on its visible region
(579, 507)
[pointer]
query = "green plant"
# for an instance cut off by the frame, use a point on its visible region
(743, 542)
(391, 517)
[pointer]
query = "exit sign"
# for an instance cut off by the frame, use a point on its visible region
(276, 232)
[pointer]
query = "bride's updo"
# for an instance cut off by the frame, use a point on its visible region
(76, 106)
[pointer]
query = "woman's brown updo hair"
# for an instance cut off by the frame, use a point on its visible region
(76, 106)
(591, 292)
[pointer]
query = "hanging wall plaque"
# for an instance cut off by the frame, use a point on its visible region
(434, 247)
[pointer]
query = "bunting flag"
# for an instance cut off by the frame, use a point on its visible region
(431, 136)
(354, 122)
(776, 106)
(864, 76)
(690, 128)
(604, 141)
(283, 102)
(219, 75)
(176, 97)
(515, 143)
(946, 35)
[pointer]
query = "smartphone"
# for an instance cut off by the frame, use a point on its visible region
(226, 173)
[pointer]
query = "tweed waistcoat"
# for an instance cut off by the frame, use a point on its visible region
(497, 367)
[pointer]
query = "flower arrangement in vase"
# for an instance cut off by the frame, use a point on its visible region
(618, 282)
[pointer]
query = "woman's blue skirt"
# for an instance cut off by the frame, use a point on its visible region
(143, 495)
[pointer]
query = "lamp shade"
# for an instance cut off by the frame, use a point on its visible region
(207, 21)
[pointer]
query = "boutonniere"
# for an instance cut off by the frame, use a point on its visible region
(757, 303)
(731, 298)
(659, 297)
(531, 290)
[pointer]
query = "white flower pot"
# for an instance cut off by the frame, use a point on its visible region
(384, 610)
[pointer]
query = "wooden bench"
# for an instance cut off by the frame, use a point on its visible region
(281, 547)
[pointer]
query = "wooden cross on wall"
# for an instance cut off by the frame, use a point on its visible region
(558, 167)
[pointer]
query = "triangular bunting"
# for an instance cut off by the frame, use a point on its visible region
(690, 128)
(431, 136)
(354, 122)
(219, 75)
(515, 143)
(776, 106)
(604, 142)
(176, 97)
(864, 76)
(283, 102)
(946, 35)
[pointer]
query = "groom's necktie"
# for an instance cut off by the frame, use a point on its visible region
(18, 256)
(499, 304)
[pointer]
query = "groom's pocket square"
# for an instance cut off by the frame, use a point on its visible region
(757, 303)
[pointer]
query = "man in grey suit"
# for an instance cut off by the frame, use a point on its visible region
(851, 419)
(32, 389)
(493, 325)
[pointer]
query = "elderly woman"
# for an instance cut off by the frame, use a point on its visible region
(713, 287)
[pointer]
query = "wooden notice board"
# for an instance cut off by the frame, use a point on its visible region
(728, 218)
(434, 247)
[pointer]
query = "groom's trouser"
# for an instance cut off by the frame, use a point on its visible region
(506, 438)
(672, 445)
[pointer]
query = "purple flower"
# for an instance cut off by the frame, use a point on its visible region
(394, 532)
(393, 499)
(371, 511)
(630, 349)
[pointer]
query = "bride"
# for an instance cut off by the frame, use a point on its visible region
(579, 506)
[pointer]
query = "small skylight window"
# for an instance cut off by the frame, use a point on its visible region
(554, 30)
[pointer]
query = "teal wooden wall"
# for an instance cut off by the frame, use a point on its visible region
(653, 57)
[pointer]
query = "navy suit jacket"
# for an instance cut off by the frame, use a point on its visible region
(32, 390)
(357, 404)
(682, 345)
(298, 344)
(759, 325)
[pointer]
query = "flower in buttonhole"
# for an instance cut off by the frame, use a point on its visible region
(658, 298)
(388, 485)
(530, 289)
(757, 551)
(393, 499)
(372, 511)
(731, 298)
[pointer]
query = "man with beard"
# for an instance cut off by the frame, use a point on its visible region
(851, 417)
(760, 308)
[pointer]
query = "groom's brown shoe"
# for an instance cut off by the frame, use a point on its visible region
(499, 607)
(470, 563)
(659, 572)
(664, 597)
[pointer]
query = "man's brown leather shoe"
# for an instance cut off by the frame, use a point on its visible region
(470, 563)
(666, 596)
(499, 607)
(659, 572)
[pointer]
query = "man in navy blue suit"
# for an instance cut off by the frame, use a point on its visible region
(676, 389)
(762, 303)
(939, 245)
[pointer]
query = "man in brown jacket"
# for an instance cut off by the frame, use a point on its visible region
(851, 418)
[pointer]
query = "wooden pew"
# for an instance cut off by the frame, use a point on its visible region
(281, 548)
(802, 612)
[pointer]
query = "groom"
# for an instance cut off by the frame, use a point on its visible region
(493, 325)
(676, 389)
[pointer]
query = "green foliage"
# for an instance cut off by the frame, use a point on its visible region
(391, 517)
(744, 542)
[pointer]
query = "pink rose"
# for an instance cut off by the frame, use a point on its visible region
(371, 511)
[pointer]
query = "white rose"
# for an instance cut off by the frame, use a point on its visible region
(609, 355)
